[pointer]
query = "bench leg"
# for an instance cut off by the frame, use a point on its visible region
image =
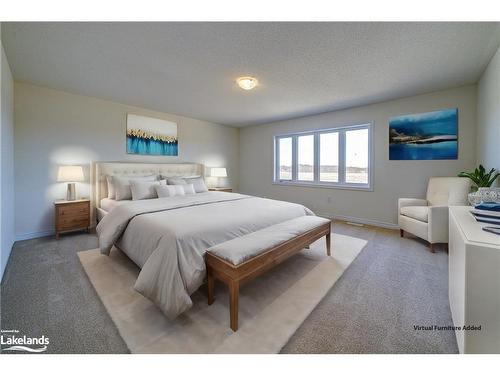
(234, 291)
(328, 244)
(211, 284)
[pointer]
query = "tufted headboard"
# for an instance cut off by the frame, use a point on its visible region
(101, 169)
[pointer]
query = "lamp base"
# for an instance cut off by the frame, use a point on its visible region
(71, 193)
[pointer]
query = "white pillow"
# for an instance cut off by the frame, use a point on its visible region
(122, 185)
(111, 184)
(111, 187)
(165, 191)
(199, 184)
(143, 189)
(188, 189)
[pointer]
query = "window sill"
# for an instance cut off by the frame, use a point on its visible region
(325, 185)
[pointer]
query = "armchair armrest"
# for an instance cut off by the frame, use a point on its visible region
(438, 224)
(404, 202)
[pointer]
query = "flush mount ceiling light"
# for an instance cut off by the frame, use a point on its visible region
(247, 83)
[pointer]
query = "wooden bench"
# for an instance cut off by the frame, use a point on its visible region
(244, 258)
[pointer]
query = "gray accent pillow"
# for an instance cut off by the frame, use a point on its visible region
(143, 189)
(175, 181)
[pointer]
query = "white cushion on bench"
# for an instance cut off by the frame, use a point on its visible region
(241, 249)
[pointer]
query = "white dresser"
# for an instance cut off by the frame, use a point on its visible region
(474, 282)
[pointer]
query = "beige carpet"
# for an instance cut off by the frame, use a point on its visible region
(272, 306)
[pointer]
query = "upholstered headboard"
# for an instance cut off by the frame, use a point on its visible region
(102, 169)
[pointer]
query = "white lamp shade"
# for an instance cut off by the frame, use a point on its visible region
(70, 173)
(218, 172)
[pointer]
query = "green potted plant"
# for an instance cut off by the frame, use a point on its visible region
(482, 180)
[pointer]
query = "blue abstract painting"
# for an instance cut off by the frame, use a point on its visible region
(424, 136)
(151, 136)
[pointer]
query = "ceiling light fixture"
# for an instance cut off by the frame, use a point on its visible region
(247, 83)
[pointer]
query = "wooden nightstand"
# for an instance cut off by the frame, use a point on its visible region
(226, 189)
(72, 215)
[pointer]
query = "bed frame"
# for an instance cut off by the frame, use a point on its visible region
(117, 168)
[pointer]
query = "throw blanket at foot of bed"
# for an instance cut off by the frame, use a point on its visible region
(244, 258)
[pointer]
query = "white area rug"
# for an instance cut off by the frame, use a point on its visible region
(272, 306)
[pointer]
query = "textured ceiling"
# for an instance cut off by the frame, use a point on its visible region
(303, 68)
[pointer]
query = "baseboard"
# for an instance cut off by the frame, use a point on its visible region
(45, 233)
(29, 236)
(375, 223)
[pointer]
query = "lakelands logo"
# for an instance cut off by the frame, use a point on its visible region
(11, 341)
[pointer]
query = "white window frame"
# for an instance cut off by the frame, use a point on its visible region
(341, 184)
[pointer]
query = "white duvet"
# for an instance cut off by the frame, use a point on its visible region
(167, 238)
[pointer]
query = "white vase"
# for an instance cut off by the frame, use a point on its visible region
(486, 194)
(474, 198)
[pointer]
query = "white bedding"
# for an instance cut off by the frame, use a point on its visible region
(167, 238)
(107, 204)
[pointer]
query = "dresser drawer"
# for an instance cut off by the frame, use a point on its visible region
(73, 223)
(74, 210)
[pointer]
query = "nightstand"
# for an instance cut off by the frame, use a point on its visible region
(226, 189)
(72, 215)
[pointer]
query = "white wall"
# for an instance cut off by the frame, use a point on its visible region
(7, 163)
(54, 127)
(488, 111)
(392, 178)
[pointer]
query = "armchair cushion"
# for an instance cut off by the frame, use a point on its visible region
(420, 213)
(404, 202)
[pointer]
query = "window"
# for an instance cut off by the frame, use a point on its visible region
(337, 158)
(356, 156)
(285, 158)
(305, 156)
(329, 157)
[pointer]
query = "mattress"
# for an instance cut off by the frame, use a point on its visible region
(107, 204)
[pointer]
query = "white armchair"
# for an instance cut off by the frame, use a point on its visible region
(428, 218)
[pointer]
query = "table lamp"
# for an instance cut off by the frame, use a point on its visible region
(218, 172)
(70, 174)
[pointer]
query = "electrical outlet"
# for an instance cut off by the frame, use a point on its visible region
(329, 200)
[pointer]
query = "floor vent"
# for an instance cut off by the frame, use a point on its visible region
(355, 224)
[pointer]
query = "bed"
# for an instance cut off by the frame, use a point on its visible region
(108, 204)
(167, 237)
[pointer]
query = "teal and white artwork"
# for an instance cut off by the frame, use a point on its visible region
(151, 136)
(424, 136)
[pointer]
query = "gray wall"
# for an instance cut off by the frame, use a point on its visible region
(488, 110)
(7, 164)
(392, 179)
(55, 127)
